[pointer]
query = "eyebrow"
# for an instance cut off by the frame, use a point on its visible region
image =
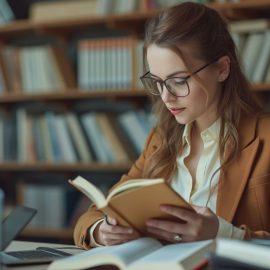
(170, 75)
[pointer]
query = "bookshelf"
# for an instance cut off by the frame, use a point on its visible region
(65, 31)
(74, 94)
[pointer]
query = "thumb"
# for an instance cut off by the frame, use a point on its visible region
(110, 220)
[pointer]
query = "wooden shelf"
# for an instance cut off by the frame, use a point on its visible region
(245, 9)
(76, 94)
(244, 5)
(261, 87)
(53, 167)
(61, 234)
(21, 27)
(71, 94)
(127, 20)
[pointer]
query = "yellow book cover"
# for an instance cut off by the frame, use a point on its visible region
(134, 201)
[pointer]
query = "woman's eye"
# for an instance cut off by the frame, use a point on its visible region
(179, 82)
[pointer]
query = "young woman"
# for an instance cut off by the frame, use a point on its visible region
(211, 139)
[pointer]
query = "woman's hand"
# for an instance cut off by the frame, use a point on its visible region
(201, 225)
(108, 233)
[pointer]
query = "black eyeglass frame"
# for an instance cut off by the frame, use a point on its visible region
(184, 79)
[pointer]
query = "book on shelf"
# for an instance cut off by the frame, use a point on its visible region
(267, 75)
(143, 253)
(6, 13)
(78, 138)
(94, 136)
(247, 26)
(3, 76)
(106, 63)
(62, 10)
(118, 149)
(126, 202)
(125, 141)
(254, 254)
(134, 129)
(262, 61)
(66, 146)
(55, 203)
(62, 62)
(22, 135)
(10, 67)
(251, 51)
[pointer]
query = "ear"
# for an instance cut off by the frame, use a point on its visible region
(223, 68)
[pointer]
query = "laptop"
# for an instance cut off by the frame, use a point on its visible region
(10, 227)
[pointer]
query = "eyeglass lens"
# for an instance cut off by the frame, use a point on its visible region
(176, 86)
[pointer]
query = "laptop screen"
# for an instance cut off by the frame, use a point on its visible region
(14, 223)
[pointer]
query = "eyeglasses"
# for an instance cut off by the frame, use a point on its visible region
(177, 86)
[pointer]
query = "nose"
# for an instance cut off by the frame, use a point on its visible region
(166, 95)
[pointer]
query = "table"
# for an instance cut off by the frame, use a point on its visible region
(24, 245)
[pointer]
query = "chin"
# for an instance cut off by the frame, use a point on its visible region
(183, 121)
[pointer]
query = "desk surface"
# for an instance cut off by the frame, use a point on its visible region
(23, 245)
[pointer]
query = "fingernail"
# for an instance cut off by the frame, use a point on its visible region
(130, 231)
(149, 222)
(163, 208)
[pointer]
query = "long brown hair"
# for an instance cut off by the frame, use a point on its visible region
(204, 28)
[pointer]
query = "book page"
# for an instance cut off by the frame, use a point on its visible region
(174, 255)
(91, 191)
(132, 184)
(119, 255)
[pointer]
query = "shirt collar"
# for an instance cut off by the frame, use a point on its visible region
(211, 133)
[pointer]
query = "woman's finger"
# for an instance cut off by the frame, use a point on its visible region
(113, 239)
(169, 226)
(160, 234)
(115, 229)
(181, 213)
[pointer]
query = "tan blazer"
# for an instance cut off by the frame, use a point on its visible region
(243, 197)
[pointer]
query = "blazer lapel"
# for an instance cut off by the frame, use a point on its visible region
(233, 178)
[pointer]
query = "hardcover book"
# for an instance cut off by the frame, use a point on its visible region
(134, 201)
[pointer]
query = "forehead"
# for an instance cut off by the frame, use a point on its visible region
(163, 61)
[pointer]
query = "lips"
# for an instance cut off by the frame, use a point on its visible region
(176, 111)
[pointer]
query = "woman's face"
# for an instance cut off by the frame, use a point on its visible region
(197, 106)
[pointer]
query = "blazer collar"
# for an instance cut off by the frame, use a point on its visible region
(234, 177)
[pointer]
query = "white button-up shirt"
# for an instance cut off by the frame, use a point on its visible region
(202, 191)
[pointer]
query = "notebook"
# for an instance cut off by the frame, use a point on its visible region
(10, 227)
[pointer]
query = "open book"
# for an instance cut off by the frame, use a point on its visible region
(144, 253)
(134, 201)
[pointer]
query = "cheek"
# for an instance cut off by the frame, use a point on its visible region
(197, 98)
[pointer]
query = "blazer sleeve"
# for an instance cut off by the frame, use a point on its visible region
(249, 234)
(86, 220)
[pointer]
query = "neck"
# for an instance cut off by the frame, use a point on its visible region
(205, 121)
